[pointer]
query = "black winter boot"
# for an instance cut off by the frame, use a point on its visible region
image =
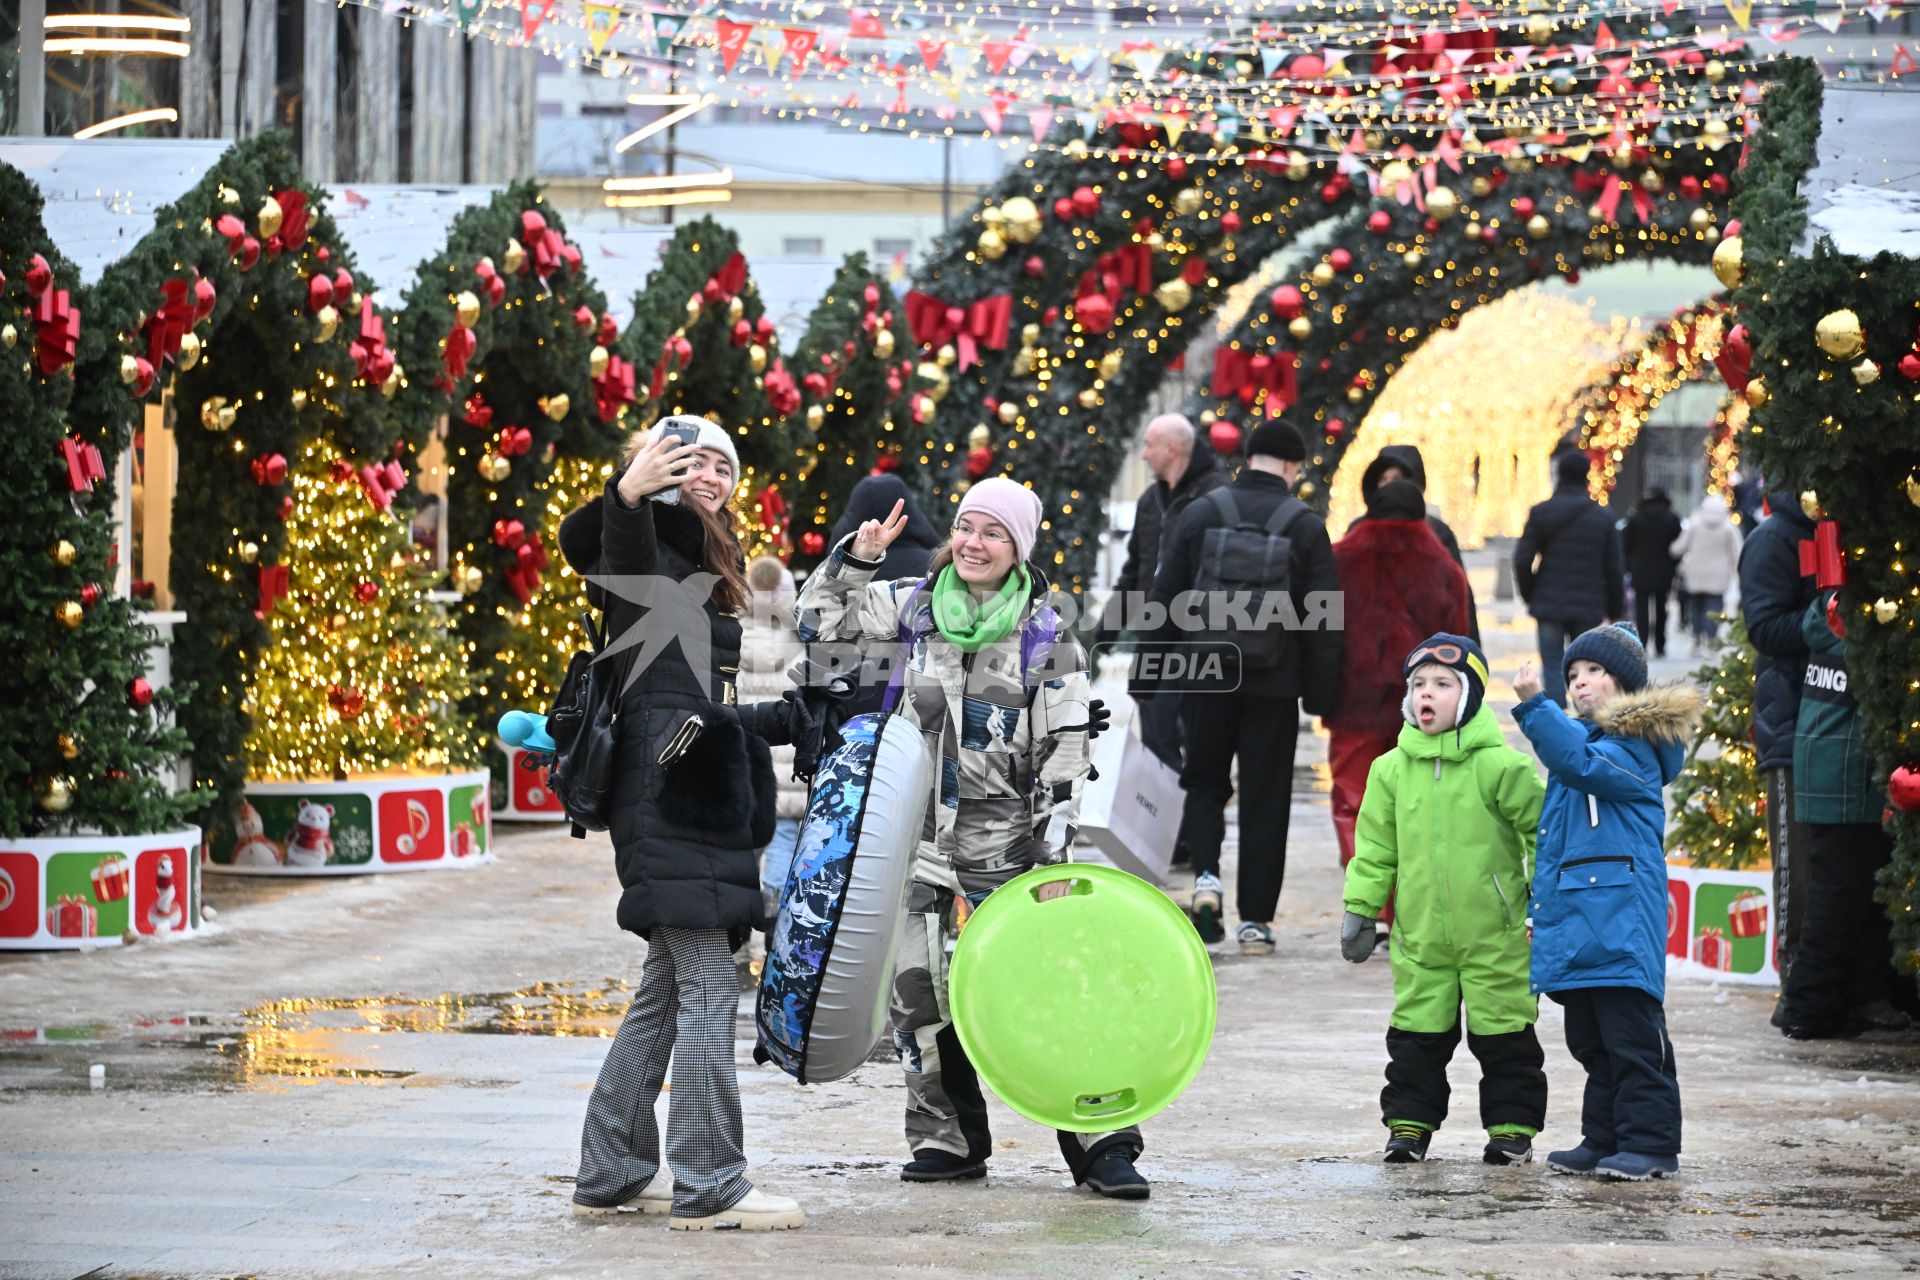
(1113, 1176)
(935, 1165)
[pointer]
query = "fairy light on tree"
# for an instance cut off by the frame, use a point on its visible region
(1720, 796)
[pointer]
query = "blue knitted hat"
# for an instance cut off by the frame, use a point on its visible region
(1617, 649)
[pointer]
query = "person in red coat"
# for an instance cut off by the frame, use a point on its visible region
(1399, 585)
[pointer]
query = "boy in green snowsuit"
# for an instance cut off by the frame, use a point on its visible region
(1447, 830)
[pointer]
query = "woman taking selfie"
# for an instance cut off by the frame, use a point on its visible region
(693, 802)
(998, 688)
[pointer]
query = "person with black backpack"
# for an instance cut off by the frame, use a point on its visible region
(1250, 550)
(1569, 568)
(689, 802)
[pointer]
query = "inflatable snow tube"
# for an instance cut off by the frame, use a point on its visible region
(829, 968)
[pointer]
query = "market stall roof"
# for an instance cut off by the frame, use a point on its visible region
(102, 194)
(1865, 189)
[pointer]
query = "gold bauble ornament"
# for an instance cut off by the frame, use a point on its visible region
(597, 361)
(992, 245)
(1539, 29)
(946, 356)
(1756, 393)
(558, 406)
(355, 301)
(882, 346)
(1519, 164)
(1885, 610)
(1412, 258)
(757, 354)
(694, 306)
(1356, 394)
(515, 257)
(392, 384)
(8, 336)
(494, 468)
(1715, 132)
(993, 216)
(1009, 412)
(69, 746)
(1174, 295)
(1300, 327)
(1622, 157)
(1652, 181)
(1728, 266)
(1699, 220)
(212, 410)
(57, 796)
(466, 579)
(228, 195)
(1322, 274)
(1022, 362)
(936, 379)
(189, 351)
(1076, 149)
(329, 323)
(1298, 166)
(1810, 504)
(1023, 219)
(979, 437)
(1538, 227)
(69, 614)
(1111, 363)
(129, 369)
(299, 399)
(1186, 201)
(1596, 215)
(1442, 203)
(1866, 373)
(1088, 398)
(228, 416)
(270, 216)
(1913, 490)
(1305, 490)
(1396, 173)
(250, 552)
(736, 309)
(815, 416)
(1839, 335)
(1716, 71)
(1029, 334)
(466, 309)
(1481, 188)
(64, 553)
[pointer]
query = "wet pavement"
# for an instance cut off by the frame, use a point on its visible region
(386, 1077)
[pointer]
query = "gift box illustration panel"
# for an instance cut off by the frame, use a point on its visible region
(1721, 924)
(87, 894)
(470, 819)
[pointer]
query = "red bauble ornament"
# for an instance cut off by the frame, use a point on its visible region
(1335, 428)
(321, 253)
(515, 442)
(319, 292)
(871, 294)
(713, 290)
(508, 533)
(1836, 622)
(1287, 302)
(1690, 187)
(1903, 788)
(1523, 206)
(1490, 235)
(1176, 168)
(1063, 209)
(1330, 193)
(1572, 277)
(39, 276)
(742, 333)
(813, 543)
(366, 592)
(203, 299)
(1340, 260)
(979, 462)
(763, 328)
(1050, 317)
(269, 469)
(89, 595)
(140, 691)
(1718, 183)
(1224, 436)
(1194, 272)
(1086, 201)
(249, 253)
(1094, 312)
(1230, 222)
(1909, 366)
(1035, 266)
(342, 283)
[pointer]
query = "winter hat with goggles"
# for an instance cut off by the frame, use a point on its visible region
(1458, 654)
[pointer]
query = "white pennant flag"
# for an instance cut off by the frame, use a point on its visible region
(1830, 22)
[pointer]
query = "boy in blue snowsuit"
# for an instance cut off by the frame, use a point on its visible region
(1600, 893)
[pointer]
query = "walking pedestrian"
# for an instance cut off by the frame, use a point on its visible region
(999, 688)
(1454, 846)
(1567, 568)
(1399, 584)
(1649, 534)
(1252, 538)
(693, 804)
(1599, 898)
(1404, 462)
(1709, 553)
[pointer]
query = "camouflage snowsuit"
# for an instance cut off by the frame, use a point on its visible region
(1007, 726)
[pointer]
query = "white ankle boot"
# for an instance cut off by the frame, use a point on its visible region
(653, 1199)
(757, 1212)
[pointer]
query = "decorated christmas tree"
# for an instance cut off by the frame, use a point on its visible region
(1720, 798)
(360, 675)
(86, 743)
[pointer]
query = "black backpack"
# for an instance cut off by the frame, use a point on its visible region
(584, 723)
(1253, 561)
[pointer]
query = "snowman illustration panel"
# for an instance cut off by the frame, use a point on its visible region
(161, 891)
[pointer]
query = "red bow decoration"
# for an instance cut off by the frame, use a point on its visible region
(84, 464)
(273, 588)
(509, 533)
(56, 329)
(382, 482)
(782, 393)
(1245, 374)
(773, 509)
(1735, 361)
(491, 282)
(523, 576)
(369, 350)
(1610, 188)
(609, 331)
(461, 344)
(269, 469)
(293, 218)
(971, 328)
(543, 243)
(1821, 557)
(171, 322)
(478, 412)
(1131, 266)
(614, 389)
(731, 277)
(515, 442)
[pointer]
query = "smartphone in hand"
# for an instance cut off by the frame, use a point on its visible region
(685, 433)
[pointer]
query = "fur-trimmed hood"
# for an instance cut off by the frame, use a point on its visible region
(1660, 713)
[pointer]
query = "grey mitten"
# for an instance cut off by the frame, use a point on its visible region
(1356, 937)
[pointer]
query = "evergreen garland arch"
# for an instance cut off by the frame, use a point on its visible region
(82, 746)
(1848, 438)
(506, 339)
(244, 301)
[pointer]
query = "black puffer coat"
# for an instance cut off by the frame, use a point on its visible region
(1650, 530)
(693, 804)
(1154, 515)
(1580, 580)
(1414, 467)
(1773, 603)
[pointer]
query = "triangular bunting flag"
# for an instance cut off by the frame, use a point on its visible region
(772, 46)
(532, 14)
(1174, 129)
(1879, 12)
(1022, 50)
(666, 28)
(1742, 13)
(1147, 62)
(467, 10)
(1270, 59)
(1082, 58)
(1903, 62)
(799, 42)
(866, 25)
(997, 51)
(1603, 37)
(1282, 119)
(1831, 22)
(732, 38)
(930, 51)
(602, 20)
(1040, 120)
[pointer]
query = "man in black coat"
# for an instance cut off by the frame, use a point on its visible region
(1181, 474)
(1567, 567)
(1403, 462)
(1773, 601)
(1650, 530)
(1257, 719)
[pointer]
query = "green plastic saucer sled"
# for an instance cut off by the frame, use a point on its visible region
(1090, 1012)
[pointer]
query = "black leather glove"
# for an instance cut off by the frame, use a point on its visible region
(780, 724)
(1099, 718)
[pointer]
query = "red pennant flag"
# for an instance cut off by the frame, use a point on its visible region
(533, 13)
(732, 39)
(1903, 63)
(1603, 37)
(800, 42)
(997, 51)
(866, 25)
(931, 51)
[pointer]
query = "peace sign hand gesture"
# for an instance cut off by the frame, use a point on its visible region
(875, 536)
